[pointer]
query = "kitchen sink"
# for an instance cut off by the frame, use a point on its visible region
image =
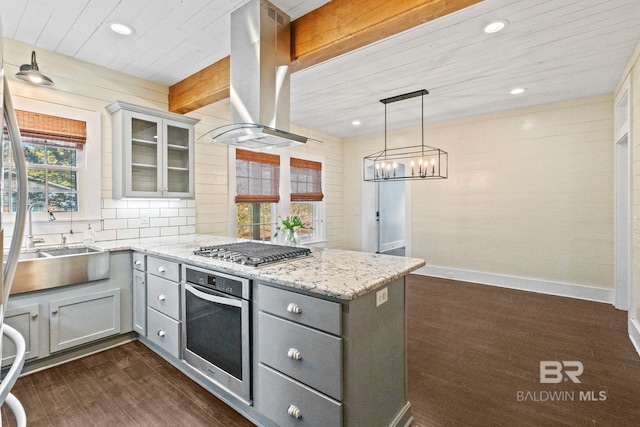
(59, 266)
(67, 251)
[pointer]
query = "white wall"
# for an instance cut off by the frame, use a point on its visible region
(529, 195)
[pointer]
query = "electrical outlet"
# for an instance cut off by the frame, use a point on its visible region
(144, 219)
(382, 296)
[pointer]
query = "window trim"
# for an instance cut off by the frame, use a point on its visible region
(89, 206)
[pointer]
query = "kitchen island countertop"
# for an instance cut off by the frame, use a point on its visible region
(335, 273)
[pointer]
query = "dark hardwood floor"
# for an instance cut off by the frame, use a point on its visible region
(471, 349)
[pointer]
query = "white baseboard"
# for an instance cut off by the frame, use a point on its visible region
(634, 333)
(589, 293)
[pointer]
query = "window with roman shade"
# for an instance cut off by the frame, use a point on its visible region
(306, 180)
(52, 146)
(257, 177)
(52, 131)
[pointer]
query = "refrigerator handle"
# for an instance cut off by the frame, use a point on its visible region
(21, 197)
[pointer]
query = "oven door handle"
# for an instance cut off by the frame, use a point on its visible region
(212, 298)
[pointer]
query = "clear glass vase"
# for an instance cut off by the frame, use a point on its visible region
(291, 238)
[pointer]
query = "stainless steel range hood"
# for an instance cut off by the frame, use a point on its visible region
(259, 90)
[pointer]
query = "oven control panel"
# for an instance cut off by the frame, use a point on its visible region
(236, 286)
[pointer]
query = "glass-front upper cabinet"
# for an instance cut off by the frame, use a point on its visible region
(153, 152)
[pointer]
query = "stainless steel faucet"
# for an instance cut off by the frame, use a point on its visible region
(31, 241)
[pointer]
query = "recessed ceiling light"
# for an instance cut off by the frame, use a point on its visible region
(356, 123)
(495, 26)
(120, 28)
(518, 90)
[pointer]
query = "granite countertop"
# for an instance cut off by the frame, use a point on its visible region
(335, 273)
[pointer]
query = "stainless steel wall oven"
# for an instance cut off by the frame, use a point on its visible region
(216, 328)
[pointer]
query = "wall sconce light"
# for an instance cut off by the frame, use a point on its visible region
(31, 73)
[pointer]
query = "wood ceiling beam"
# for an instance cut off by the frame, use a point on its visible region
(338, 27)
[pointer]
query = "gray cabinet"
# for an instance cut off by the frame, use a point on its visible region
(162, 307)
(323, 362)
(299, 349)
(139, 293)
(82, 319)
(25, 320)
(153, 152)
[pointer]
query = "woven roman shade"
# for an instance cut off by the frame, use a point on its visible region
(52, 131)
(306, 181)
(257, 177)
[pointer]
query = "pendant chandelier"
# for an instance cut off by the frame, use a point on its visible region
(406, 163)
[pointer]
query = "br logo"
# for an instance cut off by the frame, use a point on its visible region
(553, 371)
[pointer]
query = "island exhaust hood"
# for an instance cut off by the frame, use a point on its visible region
(259, 90)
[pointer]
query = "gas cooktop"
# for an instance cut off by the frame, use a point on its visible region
(252, 254)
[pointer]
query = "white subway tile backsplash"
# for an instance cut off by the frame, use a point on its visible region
(188, 212)
(178, 220)
(169, 212)
(128, 213)
(114, 224)
(159, 222)
(158, 203)
(151, 212)
(109, 213)
(138, 204)
(169, 231)
(122, 219)
(128, 234)
(150, 232)
(114, 204)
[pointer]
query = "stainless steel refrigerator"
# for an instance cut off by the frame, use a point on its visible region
(10, 258)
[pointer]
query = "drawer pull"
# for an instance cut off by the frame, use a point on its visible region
(34, 316)
(137, 262)
(54, 312)
(294, 308)
(294, 354)
(161, 269)
(294, 411)
(161, 297)
(161, 333)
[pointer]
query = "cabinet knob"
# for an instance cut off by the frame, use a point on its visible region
(294, 354)
(161, 269)
(34, 316)
(161, 297)
(54, 312)
(294, 308)
(161, 333)
(137, 262)
(294, 411)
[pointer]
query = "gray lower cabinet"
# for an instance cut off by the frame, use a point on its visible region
(26, 321)
(139, 302)
(322, 362)
(64, 321)
(157, 301)
(82, 319)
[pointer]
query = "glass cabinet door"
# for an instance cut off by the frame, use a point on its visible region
(178, 159)
(145, 154)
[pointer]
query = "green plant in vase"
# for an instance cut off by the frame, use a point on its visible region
(289, 227)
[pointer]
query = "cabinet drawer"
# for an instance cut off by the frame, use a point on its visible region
(280, 342)
(139, 261)
(276, 394)
(164, 296)
(310, 311)
(164, 332)
(163, 268)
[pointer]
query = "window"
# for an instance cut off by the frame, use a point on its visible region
(306, 195)
(52, 147)
(257, 193)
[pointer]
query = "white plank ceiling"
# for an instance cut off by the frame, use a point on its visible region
(558, 50)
